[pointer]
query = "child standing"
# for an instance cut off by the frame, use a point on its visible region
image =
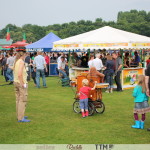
(141, 102)
(84, 92)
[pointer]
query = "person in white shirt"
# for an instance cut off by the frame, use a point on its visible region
(97, 63)
(90, 62)
(62, 66)
(59, 58)
(40, 63)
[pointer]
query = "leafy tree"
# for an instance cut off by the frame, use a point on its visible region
(132, 21)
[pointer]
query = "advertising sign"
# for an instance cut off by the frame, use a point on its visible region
(130, 77)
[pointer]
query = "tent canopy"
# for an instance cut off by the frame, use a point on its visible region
(2, 48)
(4, 42)
(19, 43)
(105, 37)
(44, 44)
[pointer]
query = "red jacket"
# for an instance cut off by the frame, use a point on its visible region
(47, 59)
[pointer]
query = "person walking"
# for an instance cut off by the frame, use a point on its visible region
(39, 63)
(117, 69)
(147, 83)
(20, 85)
(141, 103)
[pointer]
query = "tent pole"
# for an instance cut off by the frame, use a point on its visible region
(88, 53)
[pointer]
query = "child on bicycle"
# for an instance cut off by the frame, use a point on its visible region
(84, 92)
(141, 102)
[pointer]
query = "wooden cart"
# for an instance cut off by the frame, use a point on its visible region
(95, 96)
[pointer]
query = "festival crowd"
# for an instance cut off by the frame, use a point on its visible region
(19, 67)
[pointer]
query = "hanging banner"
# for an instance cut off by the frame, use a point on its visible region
(65, 45)
(105, 44)
(140, 44)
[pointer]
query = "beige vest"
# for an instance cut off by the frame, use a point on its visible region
(16, 70)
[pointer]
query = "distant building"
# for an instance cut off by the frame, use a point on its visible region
(4, 42)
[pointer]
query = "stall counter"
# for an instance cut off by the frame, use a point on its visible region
(76, 71)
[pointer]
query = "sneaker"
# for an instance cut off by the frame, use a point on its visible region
(11, 83)
(24, 120)
(44, 86)
(111, 91)
(119, 90)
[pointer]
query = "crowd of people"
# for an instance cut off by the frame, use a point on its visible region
(109, 64)
(18, 67)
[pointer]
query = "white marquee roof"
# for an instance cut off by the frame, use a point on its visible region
(102, 36)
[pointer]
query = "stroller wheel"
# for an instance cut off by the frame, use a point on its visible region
(91, 108)
(99, 107)
(76, 107)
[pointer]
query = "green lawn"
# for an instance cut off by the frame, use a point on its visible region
(54, 122)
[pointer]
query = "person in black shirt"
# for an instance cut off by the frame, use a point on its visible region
(147, 82)
(109, 72)
(4, 67)
(84, 61)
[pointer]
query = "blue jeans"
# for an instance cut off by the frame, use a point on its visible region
(83, 103)
(109, 79)
(5, 75)
(42, 73)
(9, 74)
(63, 73)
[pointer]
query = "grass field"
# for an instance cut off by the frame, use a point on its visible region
(54, 122)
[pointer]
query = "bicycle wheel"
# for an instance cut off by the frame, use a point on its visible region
(91, 108)
(76, 107)
(99, 107)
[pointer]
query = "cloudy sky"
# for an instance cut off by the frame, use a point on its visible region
(48, 12)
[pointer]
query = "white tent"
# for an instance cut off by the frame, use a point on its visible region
(105, 37)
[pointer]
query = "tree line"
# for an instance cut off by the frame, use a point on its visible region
(132, 21)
